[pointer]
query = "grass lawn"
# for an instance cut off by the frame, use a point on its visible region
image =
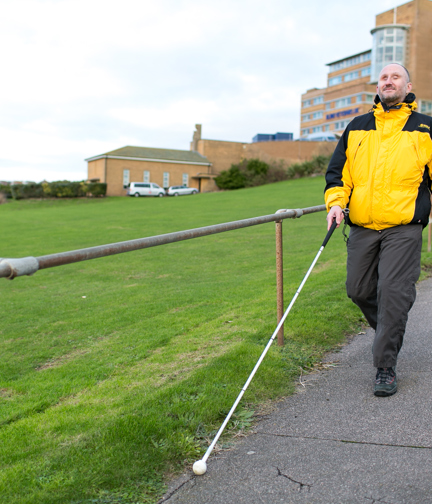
(115, 373)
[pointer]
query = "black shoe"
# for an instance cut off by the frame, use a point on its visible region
(385, 382)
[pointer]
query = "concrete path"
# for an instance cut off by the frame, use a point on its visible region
(334, 441)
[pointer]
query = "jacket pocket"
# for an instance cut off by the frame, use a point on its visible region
(358, 159)
(360, 205)
(409, 162)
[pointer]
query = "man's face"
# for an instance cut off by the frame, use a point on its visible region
(393, 85)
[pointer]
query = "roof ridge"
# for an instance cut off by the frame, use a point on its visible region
(156, 153)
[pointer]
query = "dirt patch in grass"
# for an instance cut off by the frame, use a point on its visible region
(188, 307)
(163, 366)
(12, 340)
(323, 266)
(4, 392)
(59, 361)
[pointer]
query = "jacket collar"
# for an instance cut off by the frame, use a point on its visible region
(409, 102)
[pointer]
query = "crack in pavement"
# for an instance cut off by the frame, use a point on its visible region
(316, 438)
(280, 473)
(376, 501)
(174, 490)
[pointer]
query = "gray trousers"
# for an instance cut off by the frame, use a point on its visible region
(382, 269)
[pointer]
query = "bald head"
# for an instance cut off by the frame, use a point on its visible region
(393, 84)
(396, 67)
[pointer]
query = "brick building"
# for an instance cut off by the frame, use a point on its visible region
(196, 167)
(402, 35)
(166, 167)
(223, 154)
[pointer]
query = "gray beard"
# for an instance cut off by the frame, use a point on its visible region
(392, 100)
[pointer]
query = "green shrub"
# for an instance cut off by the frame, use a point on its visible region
(255, 166)
(6, 190)
(97, 189)
(254, 172)
(59, 189)
(30, 190)
(65, 189)
(316, 166)
(247, 173)
(231, 179)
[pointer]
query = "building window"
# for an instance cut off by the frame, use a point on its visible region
(366, 71)
(307, 103)
(388, 54)
(350, 76)
(305, 132)
(365, 98)
(166, 179)
(318, 100)
(185, 179)
(312, 117)
(389, 44)
(355, 60)
(335, 80)
(317, 129)
(343, 102)
(328, 106)
(426, 107)
(341, 125)
(126, 179)
(326, 127)
(146, 176)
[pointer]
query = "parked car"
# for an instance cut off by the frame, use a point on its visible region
(144, 189)
(179, 190)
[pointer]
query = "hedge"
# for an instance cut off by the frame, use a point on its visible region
(254, 172)
(6, 190)
(60, 189)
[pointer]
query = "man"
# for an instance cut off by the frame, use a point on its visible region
(381, 170)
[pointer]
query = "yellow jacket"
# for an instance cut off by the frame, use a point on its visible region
(382, 167)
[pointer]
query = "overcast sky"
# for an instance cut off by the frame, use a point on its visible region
(83, 77)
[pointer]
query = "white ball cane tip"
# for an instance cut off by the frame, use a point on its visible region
(200, 467)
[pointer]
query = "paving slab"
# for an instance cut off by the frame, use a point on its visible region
(334, 441)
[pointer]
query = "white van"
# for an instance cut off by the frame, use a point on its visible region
(144, 189)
